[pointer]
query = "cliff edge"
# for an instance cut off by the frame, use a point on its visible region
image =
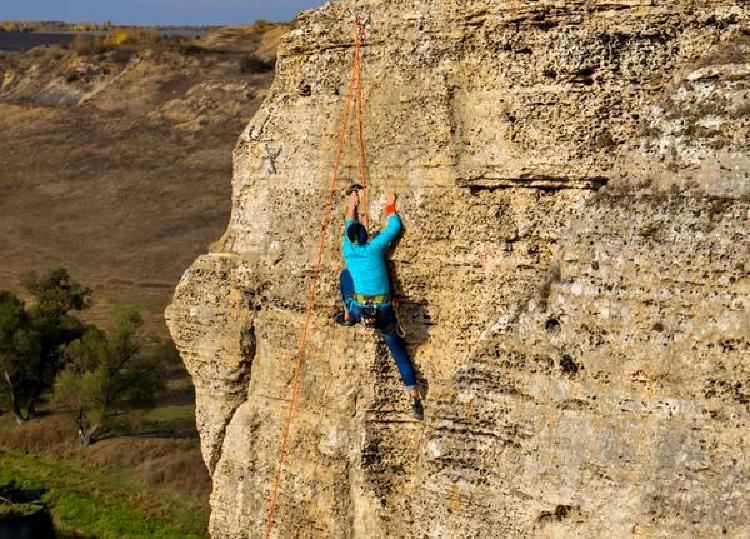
(573, 279)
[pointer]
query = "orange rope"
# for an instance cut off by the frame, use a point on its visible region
(314, 285)
(359, 37)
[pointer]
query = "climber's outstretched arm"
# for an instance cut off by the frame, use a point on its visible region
(393, 225)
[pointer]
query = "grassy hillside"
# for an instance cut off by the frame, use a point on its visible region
(94, 499)
(117, 159)
(116, 164)
(145, 478)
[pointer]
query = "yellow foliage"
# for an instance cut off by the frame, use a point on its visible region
(120, 37)
(131, 36)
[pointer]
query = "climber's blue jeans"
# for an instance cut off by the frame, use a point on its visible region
(387, 327)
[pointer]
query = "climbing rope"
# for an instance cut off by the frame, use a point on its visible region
(359, 37)
(354, 92)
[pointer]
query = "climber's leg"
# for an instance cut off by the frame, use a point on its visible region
(396, 345)
(346, 285)
(400, 355)
(389, 323)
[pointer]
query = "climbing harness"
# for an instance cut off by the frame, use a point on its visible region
(368, 307)
(400, 329)
(369, 317)
(383, 299)
(354, 92)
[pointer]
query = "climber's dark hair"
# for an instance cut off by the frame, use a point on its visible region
(357, 233)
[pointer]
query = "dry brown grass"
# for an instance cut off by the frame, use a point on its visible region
(172, 463)
(112, 200)
(52, 434)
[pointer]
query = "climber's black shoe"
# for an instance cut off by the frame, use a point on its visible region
(341, 320)
(417, 409)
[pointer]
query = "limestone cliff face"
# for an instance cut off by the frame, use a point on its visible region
(574, 278)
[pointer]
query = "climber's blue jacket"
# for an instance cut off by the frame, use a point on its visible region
(366, 263)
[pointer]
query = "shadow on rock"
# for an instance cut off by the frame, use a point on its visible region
(416, 321)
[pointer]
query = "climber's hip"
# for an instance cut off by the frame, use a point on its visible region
(375, 312)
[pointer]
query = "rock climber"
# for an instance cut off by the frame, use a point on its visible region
(366, 288)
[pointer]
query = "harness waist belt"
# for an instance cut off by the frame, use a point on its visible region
(361, 299)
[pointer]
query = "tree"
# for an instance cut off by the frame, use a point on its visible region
(106, 375)
(31, 337)
(54, 296)
(19, 353)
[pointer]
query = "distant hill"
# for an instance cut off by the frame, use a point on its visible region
(25, 35)
(62, 26)
(117, 159)
(22, 41)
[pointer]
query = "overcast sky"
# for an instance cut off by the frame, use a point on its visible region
(149, 12)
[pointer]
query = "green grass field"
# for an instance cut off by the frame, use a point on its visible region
(144, 479)
(91, 501)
